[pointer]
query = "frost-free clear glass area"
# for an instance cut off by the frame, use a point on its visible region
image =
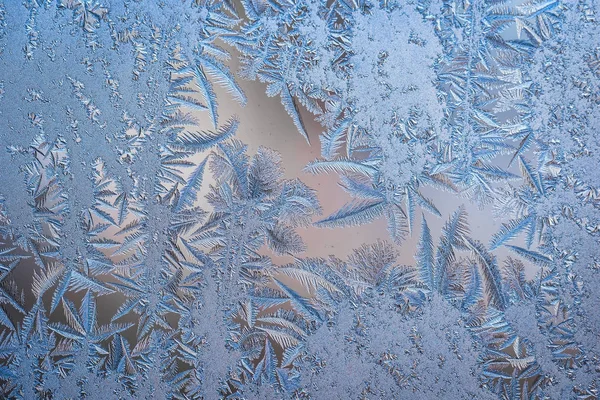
(299, 199)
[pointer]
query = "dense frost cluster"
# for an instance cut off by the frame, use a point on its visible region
(139, 235)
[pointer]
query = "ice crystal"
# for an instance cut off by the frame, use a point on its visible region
(146, 251)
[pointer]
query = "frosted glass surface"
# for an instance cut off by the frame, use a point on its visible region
(299, 199)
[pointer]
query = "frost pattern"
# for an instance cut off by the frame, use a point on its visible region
(140, 238)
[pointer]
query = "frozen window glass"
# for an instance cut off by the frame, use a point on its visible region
(299, 199)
